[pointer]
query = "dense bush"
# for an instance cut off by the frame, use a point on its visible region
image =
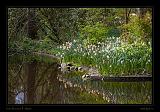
(114, 32)
(139, 28)
(94, 33)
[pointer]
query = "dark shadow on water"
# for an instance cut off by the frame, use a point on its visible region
(39, 82)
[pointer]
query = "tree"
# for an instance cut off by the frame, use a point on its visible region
(61, 23)
(32, 24)
(127, 13)
(30, 71)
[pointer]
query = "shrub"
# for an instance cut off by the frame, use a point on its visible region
(139, 28)
(94, 34)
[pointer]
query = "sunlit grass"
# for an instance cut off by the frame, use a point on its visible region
(110, 57)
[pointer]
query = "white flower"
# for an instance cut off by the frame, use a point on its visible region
(81, 49)
(88, 46)
(75, 50)
(133, 14)
(89, 50)
(143, 43)
(92, 48)
(64, 47)
(149, 60)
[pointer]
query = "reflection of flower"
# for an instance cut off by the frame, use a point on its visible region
(20, 98)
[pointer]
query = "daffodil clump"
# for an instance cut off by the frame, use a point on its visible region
(111, 57)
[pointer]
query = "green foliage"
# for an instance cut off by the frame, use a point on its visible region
(146, 27)
(17, 19)
(139, 28)
(116, 32)
(95, 33)
(111, 58)
(90, 36)
(19, 46)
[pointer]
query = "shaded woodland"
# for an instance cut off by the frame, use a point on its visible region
(115, 41)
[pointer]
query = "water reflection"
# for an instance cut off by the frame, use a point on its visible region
(36, 79)
(20, 98)
(36, 82)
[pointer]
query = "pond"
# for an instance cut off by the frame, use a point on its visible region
(38, 80)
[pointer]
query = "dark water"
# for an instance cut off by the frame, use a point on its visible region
(37, 80)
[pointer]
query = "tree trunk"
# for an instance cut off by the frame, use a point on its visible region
(127, 12)
(32, 26)
(30, 71)
(142, 12)
(104, 16)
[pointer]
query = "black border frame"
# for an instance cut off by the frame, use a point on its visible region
(98, 107)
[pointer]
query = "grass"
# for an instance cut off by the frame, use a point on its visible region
(112, 57)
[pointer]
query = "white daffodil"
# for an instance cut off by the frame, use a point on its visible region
(75, 50)
(74, 41)
(64, 47)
